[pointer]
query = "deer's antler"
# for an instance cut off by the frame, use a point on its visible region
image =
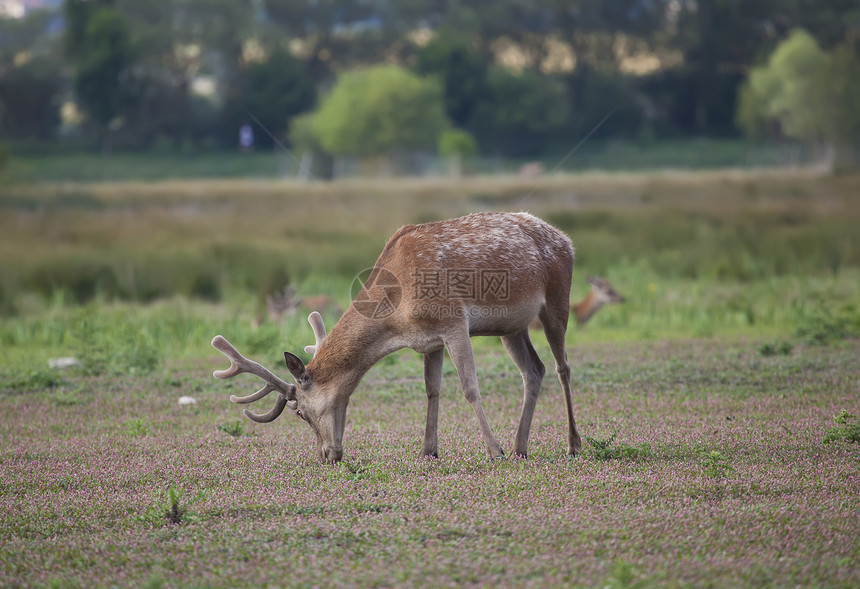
(240, 364)
(317, 324)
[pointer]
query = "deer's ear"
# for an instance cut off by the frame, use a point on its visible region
(297, 368)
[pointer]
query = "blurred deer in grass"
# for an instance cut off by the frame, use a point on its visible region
(284, 302)
(601, 293)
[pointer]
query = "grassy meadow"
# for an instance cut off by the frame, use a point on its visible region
(712, 456)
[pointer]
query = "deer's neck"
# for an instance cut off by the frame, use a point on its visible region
(586, 308)
(352, 347)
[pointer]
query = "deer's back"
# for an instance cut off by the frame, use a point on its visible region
(492, 265)
(512, 240)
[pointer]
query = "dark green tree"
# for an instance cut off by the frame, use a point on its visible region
(462, 71)
(832, 23)
(598, 93)
(29, 99)
(78, 14)
(174, 43)
(274, 91)
(336, 34)
(720, 40)
(522, 112)
(810, 94)
(30, 34)
(102, 58)
(31, 77)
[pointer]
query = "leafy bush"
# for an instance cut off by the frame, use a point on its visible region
(782, 348)
(235, 428)
(107, 347)
(134, 353)
(456, 142)
(261, 340)
(825, 326)
(379, 110)
(136, 427)
(624, 576)
(90, 346)
(716, 464)
(844, 430)
(63, 398)
(606, 449)
(33, 379)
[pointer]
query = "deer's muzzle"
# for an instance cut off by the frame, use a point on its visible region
(330, 454)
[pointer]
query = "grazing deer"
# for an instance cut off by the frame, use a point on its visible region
(433, 287)
(600, 294)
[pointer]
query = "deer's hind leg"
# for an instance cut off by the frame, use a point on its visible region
(554, 317)
(520, 347)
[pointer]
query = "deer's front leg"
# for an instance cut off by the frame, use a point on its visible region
(460, 350)
(433, 385)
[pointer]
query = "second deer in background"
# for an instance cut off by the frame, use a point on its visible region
(600, 294)
(284, 302)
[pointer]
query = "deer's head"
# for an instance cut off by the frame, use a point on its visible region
(317, 404)
(321, 407)
(603, 290)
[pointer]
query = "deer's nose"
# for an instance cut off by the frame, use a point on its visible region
(331, 454)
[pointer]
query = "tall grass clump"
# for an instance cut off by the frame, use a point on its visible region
(136, 427)
(104, 346)
(171, 507)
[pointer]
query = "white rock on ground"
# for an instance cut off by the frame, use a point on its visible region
(62, 363)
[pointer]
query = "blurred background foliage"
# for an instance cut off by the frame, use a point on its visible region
(525, 80)
(99, 98)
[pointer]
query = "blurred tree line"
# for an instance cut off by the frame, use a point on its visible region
(366, 77)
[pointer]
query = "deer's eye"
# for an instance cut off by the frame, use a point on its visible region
(299, 413)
